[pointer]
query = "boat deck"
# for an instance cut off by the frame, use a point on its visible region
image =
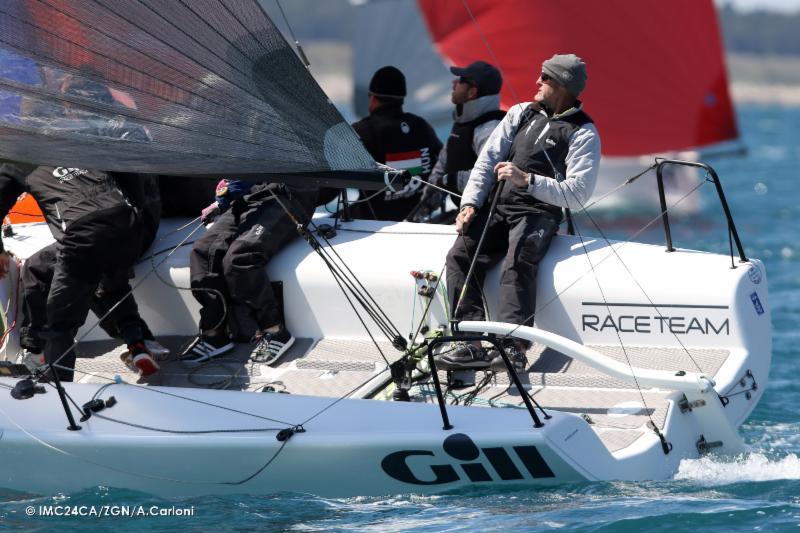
(616, 410)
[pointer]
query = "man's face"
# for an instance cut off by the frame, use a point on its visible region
(550, 91)
(463, 91)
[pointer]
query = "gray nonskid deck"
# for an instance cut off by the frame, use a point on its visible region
(616, 410)
(328, 368)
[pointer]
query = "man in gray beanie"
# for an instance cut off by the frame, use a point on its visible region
(547, 151)
(476, 95)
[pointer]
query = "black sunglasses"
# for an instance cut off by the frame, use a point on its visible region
(468, 81)
(545, 77)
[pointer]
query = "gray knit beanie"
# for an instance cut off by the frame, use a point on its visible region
(567, 69)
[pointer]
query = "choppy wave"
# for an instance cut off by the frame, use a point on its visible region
(750, 467)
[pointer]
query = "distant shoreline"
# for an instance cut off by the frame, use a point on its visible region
(765, 94)
(764, 79)
(754, 79)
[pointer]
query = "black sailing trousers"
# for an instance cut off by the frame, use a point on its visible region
(60, 280)
(519, 233)
(231, 259)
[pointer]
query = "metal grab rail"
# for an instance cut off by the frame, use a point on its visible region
(687, 382)
(509, 367)
(661, 163)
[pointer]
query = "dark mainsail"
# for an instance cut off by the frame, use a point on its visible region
(185, 87)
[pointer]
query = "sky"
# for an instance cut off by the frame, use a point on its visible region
(791, 6)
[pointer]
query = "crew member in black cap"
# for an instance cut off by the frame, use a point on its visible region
(476, 95)
(399, 139)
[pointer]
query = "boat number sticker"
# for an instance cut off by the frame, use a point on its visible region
(757, 303)
(754, 273)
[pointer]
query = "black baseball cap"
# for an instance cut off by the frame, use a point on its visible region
(482, 75)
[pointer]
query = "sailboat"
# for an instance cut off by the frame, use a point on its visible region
(657, 78)
(642, 358)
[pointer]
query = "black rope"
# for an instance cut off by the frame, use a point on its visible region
(395, 331)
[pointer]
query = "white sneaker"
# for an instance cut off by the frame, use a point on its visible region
(204, 349)
(156, 349)
(33, 361)
(272, 346)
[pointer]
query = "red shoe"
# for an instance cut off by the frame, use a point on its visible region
(142, 359)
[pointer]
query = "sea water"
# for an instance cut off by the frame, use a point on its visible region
(758, 491)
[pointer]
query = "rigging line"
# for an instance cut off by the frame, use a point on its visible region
(286, 20)
(381, 320)
(383, 324)
(384, 232)
(340, 278)
(489, 48)
(368, 198)
(112, 382)
(434, 186)
(132, 473)
(221, 103)
(395, 330)
(336, 271)
(372, 338)
(621, 185)
(184, 432)
(596, 277)
(633, 278)
(340, 398)
(113, 307)
(627, 241)
(297, 44)
(169, 283)
(608, 309)
(615, 253)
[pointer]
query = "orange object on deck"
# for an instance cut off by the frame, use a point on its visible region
(25, 210)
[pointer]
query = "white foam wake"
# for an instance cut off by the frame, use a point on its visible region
(749, 467)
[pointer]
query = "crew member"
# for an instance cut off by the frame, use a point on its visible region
(477, 112)
(548, 153)
(228, 266)
(98, 238)
(401, 140)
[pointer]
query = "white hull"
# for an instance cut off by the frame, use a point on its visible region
(705, 313)
(356, 448)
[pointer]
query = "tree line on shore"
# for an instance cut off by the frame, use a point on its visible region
(760, 32)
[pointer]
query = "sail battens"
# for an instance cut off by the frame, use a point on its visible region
(184, 87)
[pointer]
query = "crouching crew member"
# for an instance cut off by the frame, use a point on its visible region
(98, 239)
(228, 266)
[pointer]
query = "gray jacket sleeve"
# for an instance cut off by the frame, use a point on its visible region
(437, 174)
(583, 164)
(495, 149)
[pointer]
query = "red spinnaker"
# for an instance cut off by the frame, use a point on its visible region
(657, 79)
